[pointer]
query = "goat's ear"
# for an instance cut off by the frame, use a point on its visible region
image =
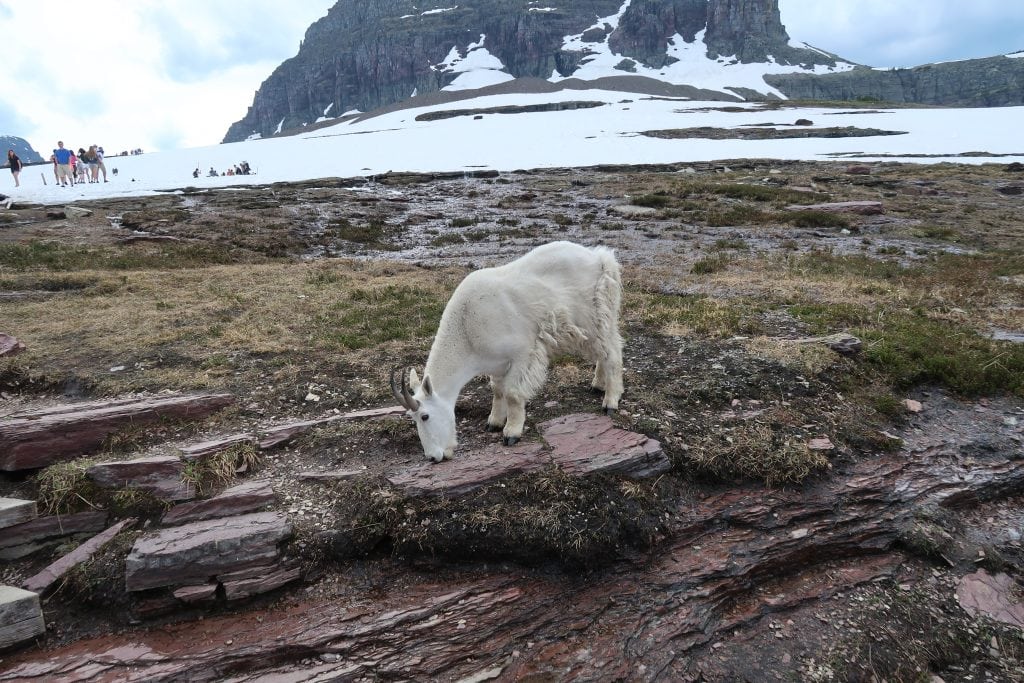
(427, 389)
(414, 380)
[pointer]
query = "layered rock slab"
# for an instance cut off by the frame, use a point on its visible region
(581, 444)
(243, 498)
(193, 553)
(21, 617)
(28, 537)
(40, 438)
(15, 511)
(41, 582)
(159, 475)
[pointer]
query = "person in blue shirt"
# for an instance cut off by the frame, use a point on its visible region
(63, 157)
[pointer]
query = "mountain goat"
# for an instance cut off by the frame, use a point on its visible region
(507, 322)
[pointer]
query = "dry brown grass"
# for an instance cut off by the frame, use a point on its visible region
(150, 320)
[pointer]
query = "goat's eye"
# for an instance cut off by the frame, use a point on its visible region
(424, 417)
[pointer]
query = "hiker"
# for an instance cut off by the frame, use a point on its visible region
(62, 157)
(15, 163)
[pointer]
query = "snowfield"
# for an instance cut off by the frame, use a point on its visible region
(608, 134)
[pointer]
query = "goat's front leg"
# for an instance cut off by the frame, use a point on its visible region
(499, 407)
(516, 418)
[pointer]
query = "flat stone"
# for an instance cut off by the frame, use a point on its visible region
(281, 434)
(996, 596)
(205, 449)
(468, 471)
(16, 511)
(201, 593)
(44, 580)
(28, 537)
(21, 617)
(10, 346)
(580, 444)
(630, 211)
(331, 475)
(236, 589)
(822, 443)
(863, 208)
(912, 406)
(159, 475)
(39, 438)
(76, 212)
(247, 497)
(192, 553)
(585, 444)
(841, 342)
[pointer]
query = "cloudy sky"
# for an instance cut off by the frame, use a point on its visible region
(166, 74)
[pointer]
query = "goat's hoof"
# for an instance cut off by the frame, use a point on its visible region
(493, 428)
(510, 440)
(610, 411)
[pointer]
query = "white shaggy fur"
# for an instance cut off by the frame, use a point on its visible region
(507, 322)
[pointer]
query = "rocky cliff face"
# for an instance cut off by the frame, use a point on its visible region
(370, 53)
(21, 147)
(990, 82)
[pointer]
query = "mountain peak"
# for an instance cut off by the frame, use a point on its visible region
(366, 54)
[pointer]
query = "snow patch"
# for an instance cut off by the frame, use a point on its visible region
(279, 126)
(476, 67)
(692, 68)
(439, 11)
(1016, 55)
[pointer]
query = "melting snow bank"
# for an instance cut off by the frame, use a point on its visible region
(608, 134)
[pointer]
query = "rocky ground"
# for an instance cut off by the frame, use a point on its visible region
(819, 516)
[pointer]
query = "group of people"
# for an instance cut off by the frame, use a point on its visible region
(239, 169)
(71, 168)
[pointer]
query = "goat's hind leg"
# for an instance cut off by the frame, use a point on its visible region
(611, 371)
(499, 406)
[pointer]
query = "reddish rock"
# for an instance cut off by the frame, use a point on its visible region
(469, 471)
(998, 597)
(39, 438)
(858, 169)
(190, 554)
(281, 434)
(585, 444)
(580, 444)
(22, 539)
(41, 582)
(863, 208)
(247, 497)
(204, 449)
(202, 593)
(267, 579)
(9, 346)
(159, 475)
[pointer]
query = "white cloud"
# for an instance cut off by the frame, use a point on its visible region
(157, 74)
(907, 32)
(145, 73)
